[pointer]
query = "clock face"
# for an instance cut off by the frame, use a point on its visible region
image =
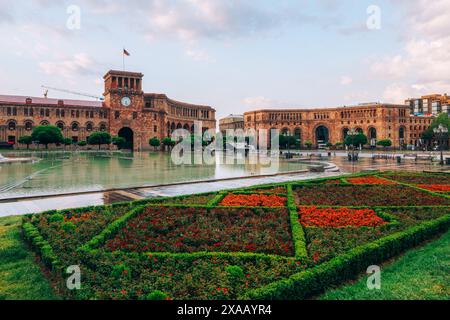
(126, 101)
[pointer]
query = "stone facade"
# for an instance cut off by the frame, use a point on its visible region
(233, 122)
(126, 111)
(331, 125)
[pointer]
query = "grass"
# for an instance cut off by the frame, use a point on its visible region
(420, 274)
(20, 277)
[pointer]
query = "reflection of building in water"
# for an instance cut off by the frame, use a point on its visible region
(126, 111)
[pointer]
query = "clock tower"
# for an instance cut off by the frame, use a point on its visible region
(125, 99)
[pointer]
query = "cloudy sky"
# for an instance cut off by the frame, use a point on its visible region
(233, 55)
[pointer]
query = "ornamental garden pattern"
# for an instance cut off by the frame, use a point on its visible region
(282, 241)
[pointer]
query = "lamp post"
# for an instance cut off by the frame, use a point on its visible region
(441, 132)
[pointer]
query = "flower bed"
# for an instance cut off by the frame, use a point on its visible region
(162, 229)
(435, 187)
(368, 180)
(326, 243)
(253, 200)
(374, 195)
(339, 217)
(187, 200)
(419, 178)
(198, 249)
(276, 190)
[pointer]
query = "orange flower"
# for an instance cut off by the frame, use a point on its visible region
(253, 200)
(369, 180)
(339, 218)
(435, 187)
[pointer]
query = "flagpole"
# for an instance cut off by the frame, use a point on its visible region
(123, 57)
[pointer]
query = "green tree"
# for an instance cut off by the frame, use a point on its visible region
(67, 141)
(168, 142)
(82, 144)
(47, 135)
(442, 119)
(154, 142)
(99, 139)
(356, 140)
(26, 140)
(119, 142)
(308, 144)
(385, 143)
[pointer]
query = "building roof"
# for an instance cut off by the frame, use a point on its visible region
(20, 100)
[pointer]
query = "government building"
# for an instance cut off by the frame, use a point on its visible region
(126, 111)
(402, 124)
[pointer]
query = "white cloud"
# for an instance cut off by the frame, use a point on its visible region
(70, 68)
(346, 80)
(422, 66)
(199, 55)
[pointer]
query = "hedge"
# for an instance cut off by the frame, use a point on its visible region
(41, 246)
(298, 234)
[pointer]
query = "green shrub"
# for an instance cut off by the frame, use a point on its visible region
(156, 295)
(56, 218)
(69, 227)
(235, 272)
(121, 270)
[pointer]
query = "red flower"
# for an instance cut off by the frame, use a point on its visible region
(369, 180)
(339, 218)
(435, 187)
(253, 200)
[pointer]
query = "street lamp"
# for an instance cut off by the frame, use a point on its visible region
(441, 132)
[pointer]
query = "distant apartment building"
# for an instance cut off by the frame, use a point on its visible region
(233, 121)
(430, 105)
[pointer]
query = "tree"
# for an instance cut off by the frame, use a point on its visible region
(287, 141)
(26, 140)
(99, 138)
(47, 135)
(67, 141)
(154, 142)
(356, 140)
(119, 142)
(82, 144)
(308, 144)
(385, 143)
(428, 135)
(168, 142)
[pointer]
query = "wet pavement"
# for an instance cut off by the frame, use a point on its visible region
(37, 204)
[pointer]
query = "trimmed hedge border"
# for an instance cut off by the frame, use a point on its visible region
(345, 267)
(41, 246)
(298, 234)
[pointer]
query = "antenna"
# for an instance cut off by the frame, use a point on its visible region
(72, 92)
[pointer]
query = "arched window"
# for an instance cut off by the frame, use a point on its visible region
(75, 126)
(89, 127)
(11, 126)
(28, 125)
(44, 123)
(60, 125)
(102, 127)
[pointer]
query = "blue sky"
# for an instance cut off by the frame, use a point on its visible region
(233, 55)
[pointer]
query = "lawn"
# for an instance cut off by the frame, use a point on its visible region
(283, 241)
(420, 274)
(20, 277)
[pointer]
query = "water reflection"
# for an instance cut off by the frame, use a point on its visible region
(72, 172)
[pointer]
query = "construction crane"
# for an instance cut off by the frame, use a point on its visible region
(71, 92)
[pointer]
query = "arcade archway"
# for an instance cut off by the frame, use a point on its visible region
(322, 135)
(128, 135)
